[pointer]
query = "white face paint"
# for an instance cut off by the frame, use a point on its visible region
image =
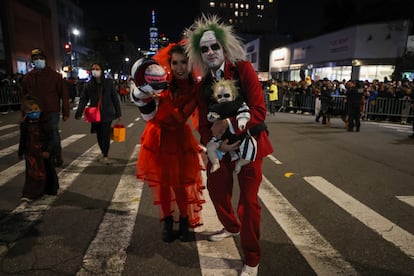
(211, 50)
(224, 94)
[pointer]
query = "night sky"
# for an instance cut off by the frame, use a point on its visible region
(297, 18)
(133, 17)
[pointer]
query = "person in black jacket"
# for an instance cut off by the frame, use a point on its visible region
(353, 99)
(326, 103)
(101, 89)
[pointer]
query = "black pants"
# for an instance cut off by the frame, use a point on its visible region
(354, 114)
(103, 134)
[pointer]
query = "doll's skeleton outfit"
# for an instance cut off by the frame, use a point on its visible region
(228, 103)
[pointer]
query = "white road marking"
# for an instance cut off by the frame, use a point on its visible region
(399, 128)
(10, 135)
(19, 167)
(318, 252)
(9, 150)
(8, 126)
(106, 255)
(28, 213)
(386, 228)
(407, 199)
(216, 258)
(277, 162)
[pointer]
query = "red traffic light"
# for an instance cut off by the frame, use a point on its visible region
(67, 48)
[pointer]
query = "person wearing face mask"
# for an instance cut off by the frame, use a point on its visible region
(101, 90)
(214, 47)
(169, 159)
(36, 147)
(49, 87)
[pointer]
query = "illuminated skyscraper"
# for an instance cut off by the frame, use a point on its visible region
(153, 34)
(247, 16)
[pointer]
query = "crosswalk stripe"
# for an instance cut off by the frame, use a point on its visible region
(216, 258)
(399, 128)
(318, 252)
(19, 167)
(386, 228)
(9, 150)
(9, 135)
(8, 126)
(115, 231)
(274, 159)
(23, 216)
(407, 199)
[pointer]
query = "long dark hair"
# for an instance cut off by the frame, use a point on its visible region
(93, 79)
(178, 49)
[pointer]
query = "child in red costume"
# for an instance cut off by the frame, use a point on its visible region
(169, 156)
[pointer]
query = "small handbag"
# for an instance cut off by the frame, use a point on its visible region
(92, 114)
(118, 133)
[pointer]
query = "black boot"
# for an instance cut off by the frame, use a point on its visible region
(167, 230)
(183, 229)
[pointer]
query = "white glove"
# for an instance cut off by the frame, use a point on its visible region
(243, 116)
(213, 116)
(242, 122)
(141, 92)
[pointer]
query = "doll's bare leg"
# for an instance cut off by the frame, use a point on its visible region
(212, 156)
(239, 164)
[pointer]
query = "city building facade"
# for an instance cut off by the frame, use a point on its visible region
(363, 52)
(49, 25)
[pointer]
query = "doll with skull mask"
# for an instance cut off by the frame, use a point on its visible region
(227, 102)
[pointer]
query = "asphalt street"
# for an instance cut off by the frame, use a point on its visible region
(333, 203)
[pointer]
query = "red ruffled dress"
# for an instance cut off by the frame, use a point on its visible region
(170, 154)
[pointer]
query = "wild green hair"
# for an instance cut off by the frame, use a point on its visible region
(225, 35)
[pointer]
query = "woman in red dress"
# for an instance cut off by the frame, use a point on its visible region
(169, 158)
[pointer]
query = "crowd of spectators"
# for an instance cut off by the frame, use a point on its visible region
(291, 96)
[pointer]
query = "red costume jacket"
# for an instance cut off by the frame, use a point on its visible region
(251, 90)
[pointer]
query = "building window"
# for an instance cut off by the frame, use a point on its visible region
(236, 13)
(375, 72)
(212, 4)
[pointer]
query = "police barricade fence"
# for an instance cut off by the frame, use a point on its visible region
(394, 109)
(9, 98)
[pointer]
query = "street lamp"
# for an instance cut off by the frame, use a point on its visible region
(75, 32)
(73, 47)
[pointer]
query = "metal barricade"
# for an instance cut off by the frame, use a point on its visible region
(378, 109)
(9, 98)
(393, 109)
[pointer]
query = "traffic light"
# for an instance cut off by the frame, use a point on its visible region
(67, 48)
